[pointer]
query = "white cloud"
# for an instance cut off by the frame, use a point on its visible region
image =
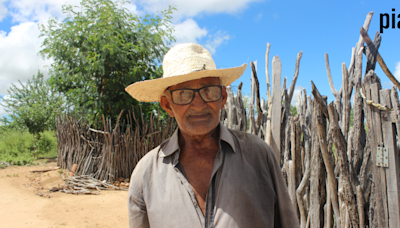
(193, 8)
(189, 31)
(3, 10)
(37, 10)
(133, 8)
(297, 90)
(42, 10)
(19, 59)
(6, 84)
(216, 40)
(397, 71)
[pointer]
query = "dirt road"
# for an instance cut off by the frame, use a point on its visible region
(22, 206)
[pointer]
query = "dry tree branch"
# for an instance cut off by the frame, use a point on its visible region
(385, 69)
(296, 75)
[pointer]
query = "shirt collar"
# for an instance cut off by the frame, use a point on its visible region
(226, 135)
(173, 142)
(171, 146)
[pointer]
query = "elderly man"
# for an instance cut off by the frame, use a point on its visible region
(205, 175)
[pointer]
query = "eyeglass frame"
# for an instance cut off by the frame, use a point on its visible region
(194, 94)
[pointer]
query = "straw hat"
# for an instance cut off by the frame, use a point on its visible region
(184, 62)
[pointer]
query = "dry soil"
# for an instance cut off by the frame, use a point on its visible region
(25, 201)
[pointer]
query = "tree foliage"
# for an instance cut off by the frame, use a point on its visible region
(33, 105)
(99, 49)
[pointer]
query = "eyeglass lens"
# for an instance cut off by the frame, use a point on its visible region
(185, 96)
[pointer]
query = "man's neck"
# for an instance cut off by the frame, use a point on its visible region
(207, 144)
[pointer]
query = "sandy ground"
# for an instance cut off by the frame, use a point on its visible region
(23, 202)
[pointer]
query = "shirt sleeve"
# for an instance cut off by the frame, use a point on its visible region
(285, 216)
(136, 206)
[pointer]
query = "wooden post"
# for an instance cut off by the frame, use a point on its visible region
(268, 133)
(292, 168)
(304, 182)
(231, 108)
(331, 181)
(252, 128)
(257, 91)
(241, 110)
(374, 129)
(375, 88)
(392, 172)
(346, 103)
(318, 176)
(347, 180)
(396, 110)
(276, 107)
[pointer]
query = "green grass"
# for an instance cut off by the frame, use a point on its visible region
(18, 148)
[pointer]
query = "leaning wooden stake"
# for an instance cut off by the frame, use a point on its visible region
(346, 102)
(341, 147)
(319, 100)
(318, 176)
(325, 155)
(301, 189)
(382, 63)
(296, 75)
(257, 90)
(336, 94)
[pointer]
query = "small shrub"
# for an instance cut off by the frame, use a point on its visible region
(47, 145)
(17, 147)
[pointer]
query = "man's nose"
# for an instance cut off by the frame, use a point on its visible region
(197, 101)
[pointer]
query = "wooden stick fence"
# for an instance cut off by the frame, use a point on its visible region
(354, 179)
(337, 175)
(108, 154)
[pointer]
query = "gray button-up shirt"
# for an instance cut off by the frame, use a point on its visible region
(247, 188)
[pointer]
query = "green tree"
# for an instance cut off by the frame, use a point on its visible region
(99, 49)
(293, 110)
(33, 105)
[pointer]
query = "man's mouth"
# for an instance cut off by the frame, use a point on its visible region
(199, 116)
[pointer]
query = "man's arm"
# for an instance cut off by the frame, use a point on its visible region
(136, 206)
(285, 216)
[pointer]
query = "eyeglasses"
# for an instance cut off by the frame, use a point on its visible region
(186, 96)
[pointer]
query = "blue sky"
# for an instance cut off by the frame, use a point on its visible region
(235, 31)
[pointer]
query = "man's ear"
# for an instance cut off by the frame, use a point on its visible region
(166, 105)
(224, 96)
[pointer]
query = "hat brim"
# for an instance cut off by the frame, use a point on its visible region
(152, 90)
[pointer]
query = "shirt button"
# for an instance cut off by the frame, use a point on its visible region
(195, 203)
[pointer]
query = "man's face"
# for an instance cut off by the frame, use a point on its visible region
(197, 117)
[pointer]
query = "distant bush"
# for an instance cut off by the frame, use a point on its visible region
(17, 147)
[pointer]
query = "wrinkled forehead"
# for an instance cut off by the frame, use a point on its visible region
(197, 83)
